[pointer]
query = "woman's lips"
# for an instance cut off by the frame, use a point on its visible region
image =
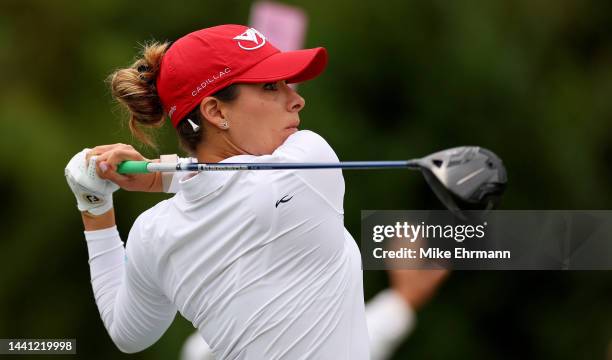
(294, 124)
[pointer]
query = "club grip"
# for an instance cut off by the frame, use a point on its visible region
(133, 167)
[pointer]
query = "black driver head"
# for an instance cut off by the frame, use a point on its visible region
(465, 178)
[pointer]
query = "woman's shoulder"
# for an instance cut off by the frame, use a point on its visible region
(152, 216)
(306, 146)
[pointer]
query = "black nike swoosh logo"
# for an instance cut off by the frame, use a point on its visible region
(283, 200)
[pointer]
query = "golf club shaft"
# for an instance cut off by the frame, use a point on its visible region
(140, 167)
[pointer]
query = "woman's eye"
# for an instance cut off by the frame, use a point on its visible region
(270, 86)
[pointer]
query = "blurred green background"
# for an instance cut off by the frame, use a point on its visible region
(531, 80)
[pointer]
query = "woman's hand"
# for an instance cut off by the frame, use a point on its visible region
(415, 286)
(110, 156)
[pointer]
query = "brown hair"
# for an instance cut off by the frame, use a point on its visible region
(134, 87)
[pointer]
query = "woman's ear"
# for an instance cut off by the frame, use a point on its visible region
(211, 109)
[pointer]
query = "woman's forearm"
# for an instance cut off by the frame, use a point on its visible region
(98, 222)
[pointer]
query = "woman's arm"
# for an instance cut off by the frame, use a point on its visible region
(133, 308)
(307, 146)
(93, 222)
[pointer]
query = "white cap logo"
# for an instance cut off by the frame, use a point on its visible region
(253, 39)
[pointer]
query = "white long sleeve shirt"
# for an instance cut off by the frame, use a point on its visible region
(390, 320)
(258, 261)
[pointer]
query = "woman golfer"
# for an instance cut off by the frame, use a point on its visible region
(258, 261)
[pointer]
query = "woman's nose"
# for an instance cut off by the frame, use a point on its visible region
(296, 102)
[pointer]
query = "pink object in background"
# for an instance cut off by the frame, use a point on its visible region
(283, 25)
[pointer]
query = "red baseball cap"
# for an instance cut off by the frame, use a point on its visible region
(205, 61)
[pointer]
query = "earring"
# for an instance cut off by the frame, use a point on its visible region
(195, 126)
(224, 125)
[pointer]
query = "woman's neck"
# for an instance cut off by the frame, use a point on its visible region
(217, 148)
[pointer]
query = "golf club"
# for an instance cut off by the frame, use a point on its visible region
(463, 178)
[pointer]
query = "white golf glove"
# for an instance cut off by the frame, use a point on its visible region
(93, 194)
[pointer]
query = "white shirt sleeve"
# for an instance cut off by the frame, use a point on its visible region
(307, 146)
(389, 320)
(195, 348)
(134, 310)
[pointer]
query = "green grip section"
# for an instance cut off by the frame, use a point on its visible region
(133, 167)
